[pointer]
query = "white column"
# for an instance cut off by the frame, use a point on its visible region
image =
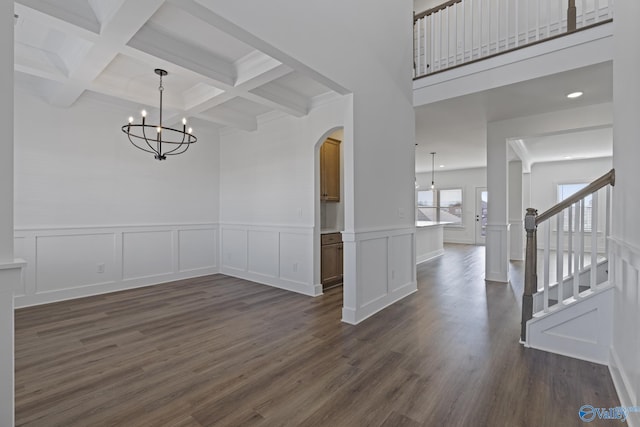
(497, 242)
(6, 124)
(10, 273)
(516, 212)
(625, 244)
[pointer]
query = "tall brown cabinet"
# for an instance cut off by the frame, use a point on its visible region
(331, 243)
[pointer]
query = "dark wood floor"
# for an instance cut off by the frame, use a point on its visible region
(224, 351)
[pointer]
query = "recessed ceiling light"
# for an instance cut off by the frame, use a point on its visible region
(568, 157)
(574, 95)
(441, 166)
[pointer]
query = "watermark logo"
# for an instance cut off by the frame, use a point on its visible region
(588, 413)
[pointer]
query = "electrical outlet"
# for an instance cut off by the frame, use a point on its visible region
(299, 212)
(100, 268)
(295, 267)
(401, 212)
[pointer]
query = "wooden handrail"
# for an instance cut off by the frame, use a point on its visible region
(606, 179)
(435, 9)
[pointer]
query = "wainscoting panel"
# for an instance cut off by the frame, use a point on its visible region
(386, 271)
(402, 264)
(20, 286)
(374, 278)
(279, 256)
(197, 249)
(234, 248)
(147, 254)
(295, 252)
(624, 274)
(64, 262)
(77, 262)
(263, 253)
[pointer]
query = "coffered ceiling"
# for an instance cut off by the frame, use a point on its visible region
(66, 49)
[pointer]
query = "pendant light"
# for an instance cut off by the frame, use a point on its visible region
(433, 170)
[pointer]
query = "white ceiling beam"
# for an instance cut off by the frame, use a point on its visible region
(53, 22)
(72, 16)
(203, 11)
(124, 24)
(187, 56)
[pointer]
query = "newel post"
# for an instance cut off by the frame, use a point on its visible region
(530, 275)
(571, 16)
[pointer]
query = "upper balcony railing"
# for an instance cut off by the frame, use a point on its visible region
(462, 31)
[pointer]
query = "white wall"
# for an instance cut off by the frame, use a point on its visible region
(626, 205)
(379, 124)
(422, 5)
(9, 275)
(94, 214)
(545, 178)
(77, 168)
(468, 180)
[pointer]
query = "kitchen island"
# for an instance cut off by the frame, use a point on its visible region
(429, 240)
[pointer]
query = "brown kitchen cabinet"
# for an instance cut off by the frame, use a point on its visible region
(331, 260)
(330, 170)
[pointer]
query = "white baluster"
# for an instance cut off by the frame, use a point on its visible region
(489, 27)
(560, 255)
(576, 253)
(582, 231)
(538, 20)
(517, 26)
(480, 28)
(433, 42)
(547, 243)
(497, 26)
(526, 21)
(455, 33)
(441, 32)
(447, 31)
(594, 240)
(416, 54)
(609, 9)
(506, 24)
(570, 240)
(548, 16)
(425, 44)
(584, 12)
(464, 28)
(607, 222)
(472, 7)
(596, 9)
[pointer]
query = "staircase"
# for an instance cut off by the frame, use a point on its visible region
(571, 311)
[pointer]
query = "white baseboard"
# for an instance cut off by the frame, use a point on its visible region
(108, 287)
(276, 282)
(429, 256)
(77, 262)
(623, 386)
(353, 317)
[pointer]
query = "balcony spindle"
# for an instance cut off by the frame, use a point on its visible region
(594, 241)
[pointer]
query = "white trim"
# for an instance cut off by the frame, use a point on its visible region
(429, 256)
(39, 287)
(622, 384)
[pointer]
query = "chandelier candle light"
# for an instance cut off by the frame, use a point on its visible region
(175, 141)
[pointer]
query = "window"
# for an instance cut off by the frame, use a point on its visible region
(440, 205)
(566, 190)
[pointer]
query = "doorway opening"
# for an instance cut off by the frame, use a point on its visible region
(330, 210)
(482, 200)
